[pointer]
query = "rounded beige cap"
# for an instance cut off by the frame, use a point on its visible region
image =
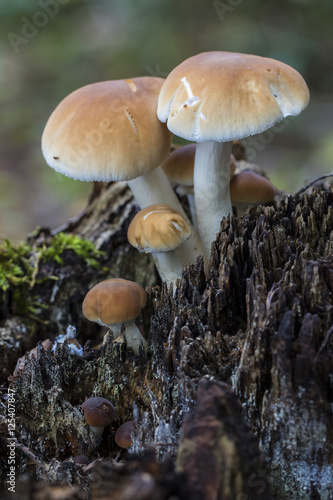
(222, 96)
(114, 301)
(250, 187)
(107, 131)
(158, 228)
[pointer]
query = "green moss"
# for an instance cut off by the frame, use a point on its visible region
(83, 248)
(15, 266)
(19, 266)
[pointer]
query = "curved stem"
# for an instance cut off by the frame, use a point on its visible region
(154, 188)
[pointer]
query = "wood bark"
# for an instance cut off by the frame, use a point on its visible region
(233, 399)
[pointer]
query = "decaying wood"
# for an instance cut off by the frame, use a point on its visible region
(218, 454)
(239, 365)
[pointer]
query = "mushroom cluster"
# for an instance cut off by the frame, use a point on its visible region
(121, 130)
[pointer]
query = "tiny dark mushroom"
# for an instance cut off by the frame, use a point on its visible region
(98, 413)
(123, 436)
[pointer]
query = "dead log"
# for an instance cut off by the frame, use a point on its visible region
(260, 325)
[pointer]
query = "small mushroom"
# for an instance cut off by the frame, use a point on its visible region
(98, 413)
(123, 435)
(161, 230)
(115, 302)
(179, 168)
(249, 188)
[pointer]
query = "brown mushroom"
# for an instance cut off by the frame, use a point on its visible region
(109, 131)
(161, 230)
(214, 98)
(249, 188)
(98, 413)
(123, 435)
(115, 302)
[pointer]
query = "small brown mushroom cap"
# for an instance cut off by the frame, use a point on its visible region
(123, 434)
(179, 165)
(250, 187)
(158, 228)
(98, 412)
(114, 301)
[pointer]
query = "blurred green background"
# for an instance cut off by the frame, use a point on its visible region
(48, 48)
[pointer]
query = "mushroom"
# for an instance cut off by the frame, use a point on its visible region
(109, 131)
(249, 188)
(161, 230)
(123, 436)
(179, 167)
(214, 98)
(98, 413)
(115, 302)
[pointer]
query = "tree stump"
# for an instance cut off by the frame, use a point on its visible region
(233, 399)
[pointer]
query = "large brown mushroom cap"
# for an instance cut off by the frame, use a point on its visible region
(114, 301)
(222, 96)
(158, 228)
(98, 412)
(107, 131)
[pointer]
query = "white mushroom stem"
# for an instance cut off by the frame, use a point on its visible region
(132, 334)
(168, 265)
(211, 188)
(155, 188)
(134, 337)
